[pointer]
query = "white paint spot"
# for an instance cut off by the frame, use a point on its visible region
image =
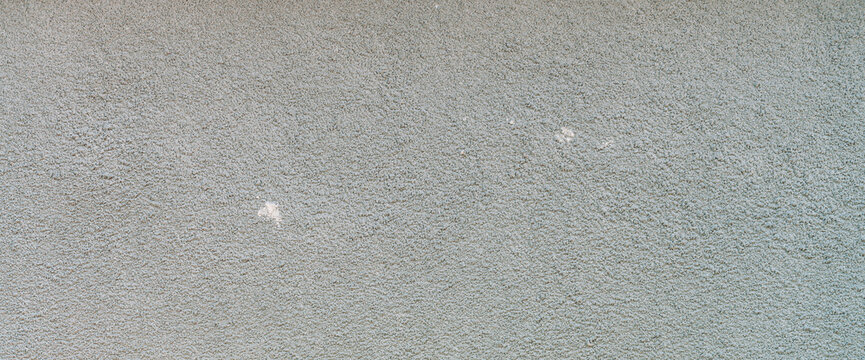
(605, 145)
(271, 210)
(566, 136)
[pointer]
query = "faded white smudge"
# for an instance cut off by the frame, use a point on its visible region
(271, 210)
(566, 135)
(605, 145)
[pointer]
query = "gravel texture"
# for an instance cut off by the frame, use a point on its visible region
(454, 179)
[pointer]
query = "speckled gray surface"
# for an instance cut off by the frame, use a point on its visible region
(710, 202)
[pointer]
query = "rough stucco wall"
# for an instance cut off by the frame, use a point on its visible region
(710, 203)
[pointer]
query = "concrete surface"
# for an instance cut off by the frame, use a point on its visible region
(705, 199)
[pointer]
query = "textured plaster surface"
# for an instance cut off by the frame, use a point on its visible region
(515, 179)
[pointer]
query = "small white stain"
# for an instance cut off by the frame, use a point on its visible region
(271, 210)
(605, 145)
(566, 136)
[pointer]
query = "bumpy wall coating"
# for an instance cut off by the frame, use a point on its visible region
(523, 179)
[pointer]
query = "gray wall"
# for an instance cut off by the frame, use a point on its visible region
(710, 202)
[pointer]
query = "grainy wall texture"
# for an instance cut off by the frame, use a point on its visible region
(437, 179)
